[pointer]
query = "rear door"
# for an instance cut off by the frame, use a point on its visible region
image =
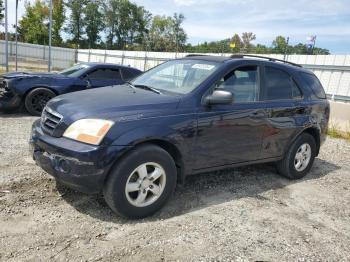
(283, 100)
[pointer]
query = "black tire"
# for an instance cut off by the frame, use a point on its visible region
(286, 167)
(115, 187)
(36, 100)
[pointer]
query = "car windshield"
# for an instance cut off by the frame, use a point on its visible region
(177, 76)
(74, 71)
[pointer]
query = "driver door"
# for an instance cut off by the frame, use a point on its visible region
(232, 133)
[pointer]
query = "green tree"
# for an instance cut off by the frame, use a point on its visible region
(58, 17)
(279, 45)
(237, 41)
(321, 51)
(179, 32)
(76, 22)
(247, 38)
(33, 26)
(125, 23)
(140, 26)
(160, 34)
(261, 49)
(166, 33)
(301, 49)
(94, 23)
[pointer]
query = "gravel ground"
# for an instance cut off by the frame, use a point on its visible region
(244, 214)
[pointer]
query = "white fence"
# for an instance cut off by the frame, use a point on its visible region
(332, 70)
(32, 56)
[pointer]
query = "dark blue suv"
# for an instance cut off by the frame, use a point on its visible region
(185, 116)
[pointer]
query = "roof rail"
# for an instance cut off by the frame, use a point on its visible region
(264, 57)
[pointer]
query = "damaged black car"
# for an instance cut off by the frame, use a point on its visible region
(31, 91)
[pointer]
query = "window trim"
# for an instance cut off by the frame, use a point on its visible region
(291, 79)
(229, 71)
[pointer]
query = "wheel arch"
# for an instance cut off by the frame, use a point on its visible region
(169, 147)
(36, 87)
(314, 131)
(175, 153)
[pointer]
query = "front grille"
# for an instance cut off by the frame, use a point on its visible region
(50, 120)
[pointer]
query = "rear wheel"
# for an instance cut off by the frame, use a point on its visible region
(299, 158)
(141, 183)
(37, 99)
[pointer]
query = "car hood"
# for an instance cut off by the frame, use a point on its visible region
(32, 75)
(117, 103)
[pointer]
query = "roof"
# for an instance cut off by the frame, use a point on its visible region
(106, 64)
(211, 58)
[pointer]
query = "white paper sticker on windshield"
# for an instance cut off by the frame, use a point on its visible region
(203, 66)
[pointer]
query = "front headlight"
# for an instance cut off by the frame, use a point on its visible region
(90, 131)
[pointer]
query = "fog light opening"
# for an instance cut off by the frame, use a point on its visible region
(63, 166)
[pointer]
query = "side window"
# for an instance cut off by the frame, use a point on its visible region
(279, 85)
(315, 85)
(97, 74)
(113, 74)
(104, 74)
(242, 83)
(128, 74)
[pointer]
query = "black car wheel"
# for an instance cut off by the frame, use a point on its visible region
(36, 100)
(299, 158)
(141, 182)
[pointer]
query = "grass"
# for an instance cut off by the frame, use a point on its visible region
(335, 132)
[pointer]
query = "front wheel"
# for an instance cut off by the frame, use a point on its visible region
(37, 99)
(299, 158)
(141, 183)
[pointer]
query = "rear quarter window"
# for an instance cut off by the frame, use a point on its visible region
(314, 84)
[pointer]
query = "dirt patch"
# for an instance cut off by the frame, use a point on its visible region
(241, 214)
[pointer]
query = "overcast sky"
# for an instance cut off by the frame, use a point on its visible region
(208, 20)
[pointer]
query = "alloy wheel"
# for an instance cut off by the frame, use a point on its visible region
(302, 157)
(145, 184)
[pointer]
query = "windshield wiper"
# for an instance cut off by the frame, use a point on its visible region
(145, 87)
(148, 88)
(131, 85)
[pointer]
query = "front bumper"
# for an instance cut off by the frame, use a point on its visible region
(79, 166)
(8, 100)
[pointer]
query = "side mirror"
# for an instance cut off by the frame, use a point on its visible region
(219, 97)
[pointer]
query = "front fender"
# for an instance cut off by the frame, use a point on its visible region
(179, 131)
(20, 86)
(141, 135)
